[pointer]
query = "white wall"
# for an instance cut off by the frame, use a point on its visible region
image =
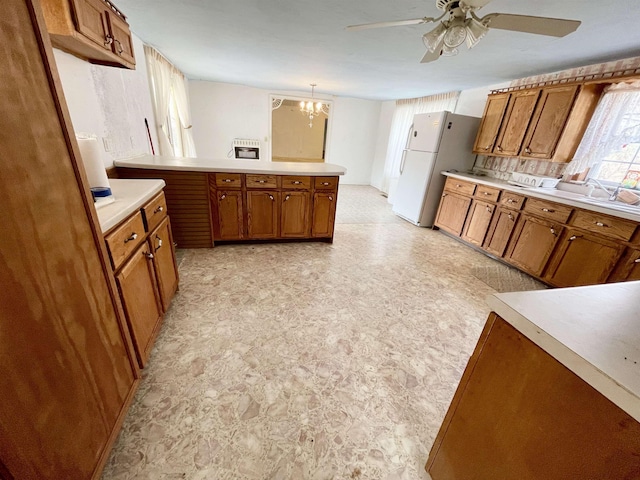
(471, 102)
(382, 142)
(109, 102)
(221, 112)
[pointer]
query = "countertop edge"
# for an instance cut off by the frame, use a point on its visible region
(593, 376)
(127, 200)
(537, 194)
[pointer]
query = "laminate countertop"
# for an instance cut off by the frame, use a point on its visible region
(156, 162)
(129, 195)
(594, 331)
(616, 209)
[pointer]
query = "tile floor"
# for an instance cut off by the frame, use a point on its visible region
(308, 360)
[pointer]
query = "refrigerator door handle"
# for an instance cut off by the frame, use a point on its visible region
(408, 142)
(404, 155)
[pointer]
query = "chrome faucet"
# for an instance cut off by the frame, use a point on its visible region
(613, 194)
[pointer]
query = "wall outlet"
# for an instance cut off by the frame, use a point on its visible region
(108, 144)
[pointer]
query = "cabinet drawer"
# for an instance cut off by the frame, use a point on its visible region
(488, 193)
(296, 182)
(550, 210)
(229, 180)
(604, 224)
(155, 211)
(325, 183)
(262, 181)
(124, 239)
(511, 200)
(460, 186)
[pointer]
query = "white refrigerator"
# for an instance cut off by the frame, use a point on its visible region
(436, 142)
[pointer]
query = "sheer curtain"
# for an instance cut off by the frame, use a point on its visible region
(169, 93)
(402, 120)
(603, 135)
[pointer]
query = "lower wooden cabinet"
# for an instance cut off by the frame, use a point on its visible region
(164, 262)
(478, 220)
(324, 212)
(582, 259)
(294, 214)
(452, 212)
(628, 268)
(500, 230)
(532, 243)
(228, 208)
(262, 214)
(141, 300)
(519, 414)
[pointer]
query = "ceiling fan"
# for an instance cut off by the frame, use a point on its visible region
(462, 24)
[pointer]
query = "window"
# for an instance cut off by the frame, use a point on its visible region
(610, 148)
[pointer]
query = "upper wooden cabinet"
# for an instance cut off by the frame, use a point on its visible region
(543, 123)
(490, 123)
(94, 30)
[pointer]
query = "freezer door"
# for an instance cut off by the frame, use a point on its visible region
(412, 185)
(427, 130)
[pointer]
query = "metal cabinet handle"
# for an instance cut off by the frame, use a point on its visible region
(444, 195)
(120, 49)
(262, 181)
(271, 197)
(510, 200)
(600, 224)
(573, 237)
(499, 148)
(487, 147)
(108, 40)
(325, 184)
(287, 198)
(223, 196)
(486, 193)
(330, 198)
(637, 260)
(227, 180)
(458, 185)
(296, 182)
(131, 238)
(548, 210)
(159, 243)
(148, 255)
(159, 209)
(527, 150)
(553, 232)
(489, 209)
(510, 217)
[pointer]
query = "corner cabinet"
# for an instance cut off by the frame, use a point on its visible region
(543, 123)
(94, 30)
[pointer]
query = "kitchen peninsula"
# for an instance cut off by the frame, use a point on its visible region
(239, 200)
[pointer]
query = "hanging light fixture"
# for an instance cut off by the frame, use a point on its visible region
(311, 109)
(450, 34)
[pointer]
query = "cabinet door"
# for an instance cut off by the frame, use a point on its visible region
(324, 214)
(452, 212)
(294, 215)
(91, 21)
(164, 262)
(548, 121)
(262, 212)
(137, 283)
(478, 222)
(532, 243)
(229, 224)
(490, 123)
(628, 268)
(122, 44)
(504, 221)
(582, 259)
(516, 120)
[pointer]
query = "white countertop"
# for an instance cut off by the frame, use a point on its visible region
(231, 166)
(552, 194)
(594, 331)
(129, 196)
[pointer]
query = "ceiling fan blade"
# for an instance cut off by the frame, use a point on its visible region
(397, 23)
(432, 56)
(554, 27)
(475, 3)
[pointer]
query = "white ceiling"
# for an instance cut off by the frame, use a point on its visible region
(288, 44)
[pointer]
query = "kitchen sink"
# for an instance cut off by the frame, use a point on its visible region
(625, 207)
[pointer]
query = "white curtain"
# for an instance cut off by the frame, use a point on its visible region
(179, 89)
(402, 120)
(603, 133)
(160, 73)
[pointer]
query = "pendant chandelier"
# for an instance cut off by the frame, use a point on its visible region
(310, 109)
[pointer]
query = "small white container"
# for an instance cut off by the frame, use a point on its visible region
(528, 180)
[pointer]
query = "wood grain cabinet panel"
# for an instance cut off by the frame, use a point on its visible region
(164, 262)
(228, 215)
(262, 214)
(324, 212)
(532, 243)
(548, 121)
(500, 230)
(140, 298)
(294, 214)
(452, 212)
(490, 123)
(628, 268)
(515, 122)
(125, 238)
(519, 414)
(478, 221)
(604, 224)
(91, 21)
(459, 186)
(155, 211)
(122, 43)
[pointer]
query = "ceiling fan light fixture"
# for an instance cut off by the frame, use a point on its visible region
(475, 31)
(455, 35)
(433, 39)
(448, 51)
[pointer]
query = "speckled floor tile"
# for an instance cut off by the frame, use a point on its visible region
(308, 360)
